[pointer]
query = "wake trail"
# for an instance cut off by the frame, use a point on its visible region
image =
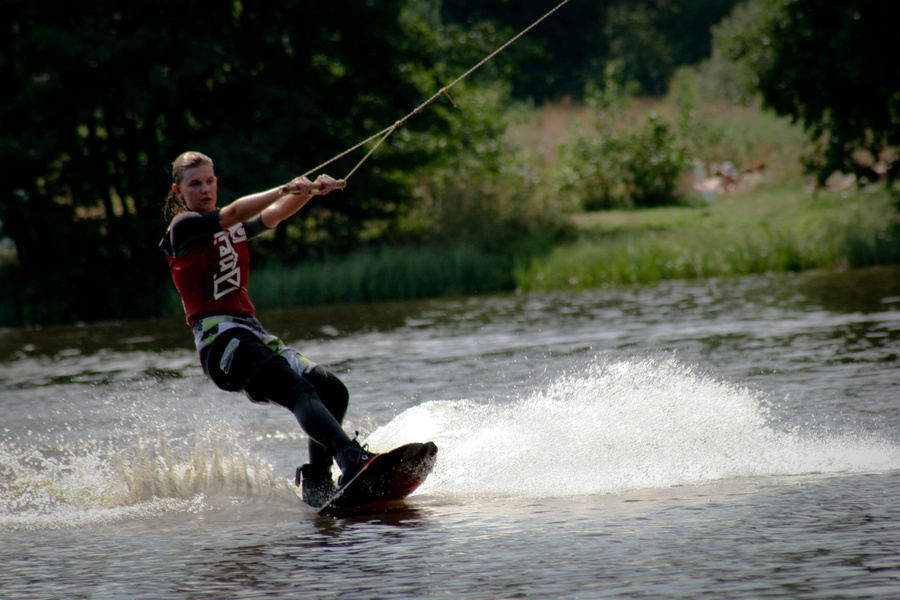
(621, 426)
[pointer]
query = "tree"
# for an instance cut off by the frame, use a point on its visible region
(556, 59)
(651, 38)
(98, 97)
(648, 38)
(829, 66)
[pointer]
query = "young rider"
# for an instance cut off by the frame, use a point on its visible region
(208, 256)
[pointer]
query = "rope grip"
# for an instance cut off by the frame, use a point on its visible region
(290, 188)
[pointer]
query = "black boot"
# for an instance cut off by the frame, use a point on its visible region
(351, 460)
(316, 483)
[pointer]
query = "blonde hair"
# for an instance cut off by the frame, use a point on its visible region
(187, 160)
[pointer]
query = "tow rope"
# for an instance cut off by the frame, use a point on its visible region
(382, 135)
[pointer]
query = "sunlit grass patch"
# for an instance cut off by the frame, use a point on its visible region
(779, 229)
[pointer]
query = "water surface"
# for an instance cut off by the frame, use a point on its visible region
(727, 439)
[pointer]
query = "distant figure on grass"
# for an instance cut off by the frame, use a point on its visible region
(208, 256)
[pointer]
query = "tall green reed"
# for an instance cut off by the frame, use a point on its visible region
(383, 274)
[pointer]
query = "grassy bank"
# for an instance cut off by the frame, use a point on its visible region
(782, 228)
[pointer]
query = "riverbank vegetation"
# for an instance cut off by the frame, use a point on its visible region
(774, 228)
(521, 227)
(619, 142)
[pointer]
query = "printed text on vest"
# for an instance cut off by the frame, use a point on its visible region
(229, 276)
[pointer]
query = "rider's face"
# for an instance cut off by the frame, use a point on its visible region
(199, 188)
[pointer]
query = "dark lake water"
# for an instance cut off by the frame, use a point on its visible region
(734, 438)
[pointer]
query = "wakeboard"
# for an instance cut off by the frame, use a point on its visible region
(386, 480)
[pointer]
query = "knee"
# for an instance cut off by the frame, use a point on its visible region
(280, 384)
(331, 389)
(301, 396)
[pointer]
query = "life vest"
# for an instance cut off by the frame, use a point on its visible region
(213, 276)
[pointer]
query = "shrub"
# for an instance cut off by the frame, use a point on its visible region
(607, 165)
(480, 189)
(653, 162)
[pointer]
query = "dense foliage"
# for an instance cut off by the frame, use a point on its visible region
(648, 38)
(98, 97)
(830, 66)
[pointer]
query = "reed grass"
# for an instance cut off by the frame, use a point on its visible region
(383, 274)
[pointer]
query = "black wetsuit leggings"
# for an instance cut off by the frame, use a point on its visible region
(317, 398)
(238, 360)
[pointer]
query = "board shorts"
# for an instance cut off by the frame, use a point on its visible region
(234, 349)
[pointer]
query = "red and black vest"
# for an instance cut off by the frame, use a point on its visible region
(211, 269)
